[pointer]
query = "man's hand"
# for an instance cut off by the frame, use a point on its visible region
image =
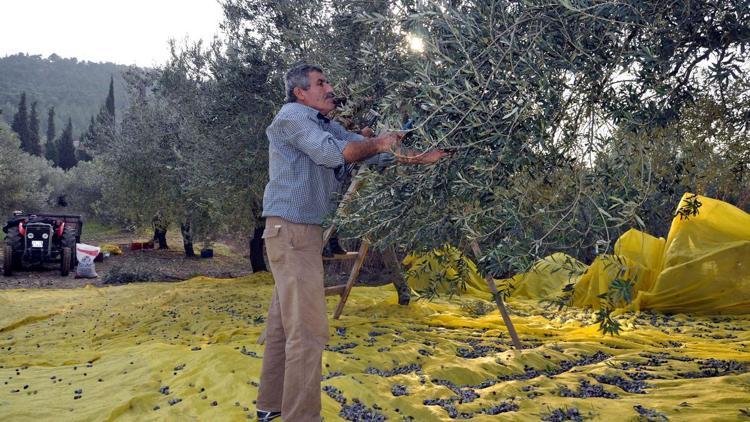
(367, 132)
(389, 141)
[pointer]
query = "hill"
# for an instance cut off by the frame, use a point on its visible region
(76, 89)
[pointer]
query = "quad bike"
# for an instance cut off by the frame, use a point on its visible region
(34, 240)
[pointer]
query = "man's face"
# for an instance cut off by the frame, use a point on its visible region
(320, 94)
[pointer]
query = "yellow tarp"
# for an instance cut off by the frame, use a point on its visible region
(112, 249)
(703, 266)
(186, 351)
(444, 263)
(126, 352)
(547, 277)
(706, 263)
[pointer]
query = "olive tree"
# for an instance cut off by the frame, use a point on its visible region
(531, 96)
(27, 182)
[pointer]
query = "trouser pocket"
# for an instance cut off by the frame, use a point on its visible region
(272, 235)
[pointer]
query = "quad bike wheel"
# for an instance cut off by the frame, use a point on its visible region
(8, 261)
(67, 258)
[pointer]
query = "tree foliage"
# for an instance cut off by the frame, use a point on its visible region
(101, 130)
(571, 121)
(27, 182)
(552, 108)
(192, 144)
(109, 103)
(20, 123)
(74, 87)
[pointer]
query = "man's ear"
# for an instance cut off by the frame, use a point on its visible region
(299, 92)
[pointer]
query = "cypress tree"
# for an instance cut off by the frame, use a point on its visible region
(35, 147)
(110, 104)
(87, 141)
(67, 151)
(50, 148)
(101, 130)
(21, 123)
(81, 153)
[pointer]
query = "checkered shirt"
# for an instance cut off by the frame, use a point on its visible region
(305, 149)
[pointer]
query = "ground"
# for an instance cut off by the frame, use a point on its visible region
(231, 259)
(187, 351)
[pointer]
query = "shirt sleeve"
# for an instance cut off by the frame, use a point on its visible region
(339, 132)
(382, 159)
(304, 134)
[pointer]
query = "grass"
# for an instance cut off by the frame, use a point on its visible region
(97, 230)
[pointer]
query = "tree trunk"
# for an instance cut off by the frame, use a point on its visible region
(160, 235)
(256, 251)
(187, 239)
(160, 226)
(392, 263)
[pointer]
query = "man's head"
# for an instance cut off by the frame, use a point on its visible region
(306, 84)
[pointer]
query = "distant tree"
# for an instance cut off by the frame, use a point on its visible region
(156, 159)
(21, 122)
(27, 182)
(101, 131)
(35, 147)
(86, 140)
(110, 103)
(82, 154)
(77, 87)
(66, 149)
(50, 148)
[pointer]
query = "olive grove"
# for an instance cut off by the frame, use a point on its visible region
(569, 121)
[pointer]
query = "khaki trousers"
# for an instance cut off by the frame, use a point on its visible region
(297, 324)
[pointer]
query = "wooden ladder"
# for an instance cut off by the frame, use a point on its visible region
(344, 289)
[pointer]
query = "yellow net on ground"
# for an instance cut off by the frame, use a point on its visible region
(176, 351)
(186, 351)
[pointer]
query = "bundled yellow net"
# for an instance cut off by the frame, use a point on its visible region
(703, 266)
(111, 248)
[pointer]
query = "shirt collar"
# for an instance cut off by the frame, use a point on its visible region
(323, 118)
(308, 110)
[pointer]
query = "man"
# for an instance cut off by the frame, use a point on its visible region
(305, 149)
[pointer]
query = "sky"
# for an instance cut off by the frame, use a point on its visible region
(120, 31)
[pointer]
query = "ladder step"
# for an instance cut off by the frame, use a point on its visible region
(335, 290)
(349, 255)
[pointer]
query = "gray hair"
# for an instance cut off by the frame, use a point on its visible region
(298, 77)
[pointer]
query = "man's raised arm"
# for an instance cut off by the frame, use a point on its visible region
(358, 151)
